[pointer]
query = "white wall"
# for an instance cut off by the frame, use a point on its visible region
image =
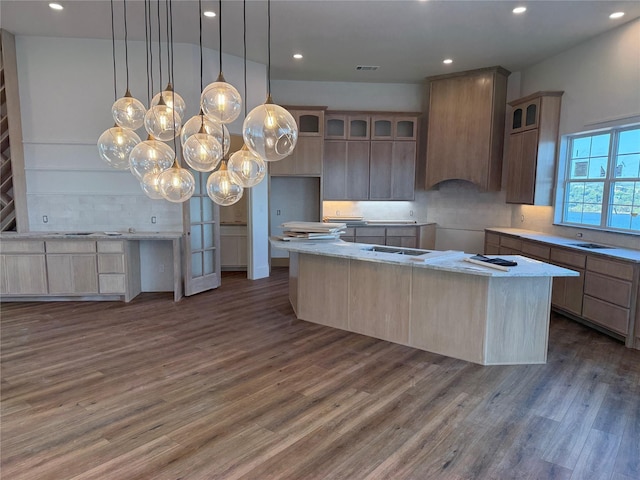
(601, 83)
(66, 92)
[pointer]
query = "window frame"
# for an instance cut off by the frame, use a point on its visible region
(564, 179)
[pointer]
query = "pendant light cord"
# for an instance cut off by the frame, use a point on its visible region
(126, 43)
(159, 50)
(268, 48)
(170, 48)
(220, 35)
(200, 25)
(244, 45)
(113, 53)
(170, 80)
(147, 48)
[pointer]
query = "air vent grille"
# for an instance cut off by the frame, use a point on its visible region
(367, 68)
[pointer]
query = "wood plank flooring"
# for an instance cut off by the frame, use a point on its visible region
(229, 385)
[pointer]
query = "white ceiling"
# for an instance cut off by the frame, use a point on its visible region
(408, 39)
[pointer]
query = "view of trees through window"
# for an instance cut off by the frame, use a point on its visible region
(602, 182)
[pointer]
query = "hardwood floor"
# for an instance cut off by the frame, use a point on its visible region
(229, 385)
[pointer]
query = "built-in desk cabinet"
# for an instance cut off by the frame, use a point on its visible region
(605, 294)
(23, 268)
(69, 268)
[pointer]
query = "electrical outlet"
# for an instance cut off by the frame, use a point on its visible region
(579, 235)
(161, 268)
(411, 213)
(153, 219)
(337, 213)
(277, 212)
(45, 219)
(521, 218)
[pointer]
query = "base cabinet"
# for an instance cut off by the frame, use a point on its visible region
(72, 274)
(23, 274)
(606, 294)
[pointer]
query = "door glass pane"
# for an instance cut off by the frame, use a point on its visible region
(209, 261)
(198, 178)
(531, 114)
(196, 264)
(208, 235)
(207, 209)
(196, 237)
(382, 128)
(517, 118)
(195, 210)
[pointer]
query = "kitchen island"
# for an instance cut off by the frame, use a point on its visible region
(431, 300)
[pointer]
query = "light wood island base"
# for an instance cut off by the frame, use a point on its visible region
(482, 319)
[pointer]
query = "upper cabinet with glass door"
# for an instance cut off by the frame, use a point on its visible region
(525, 115)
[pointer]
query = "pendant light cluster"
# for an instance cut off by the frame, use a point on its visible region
(269, 131)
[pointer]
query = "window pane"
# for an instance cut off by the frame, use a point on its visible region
(573, 213)
(579, 169)
(598, 167)
(625, 200)
(628, 166)
(600, 145)
(584, 203)
(629, 141)
(581, 147)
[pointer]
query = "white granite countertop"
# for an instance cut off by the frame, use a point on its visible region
(91, 235)
(449, 261)
(613, 252)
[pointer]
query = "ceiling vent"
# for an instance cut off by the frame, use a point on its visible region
(367, 68)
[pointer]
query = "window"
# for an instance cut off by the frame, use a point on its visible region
(602, 180)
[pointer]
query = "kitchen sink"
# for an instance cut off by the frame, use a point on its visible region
(413, 252)
(589, 245)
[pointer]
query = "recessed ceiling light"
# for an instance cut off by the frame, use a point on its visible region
(209, 13)
(616, 15)
(447, 61)
(56, 6)
(518, 10)
(297, 56)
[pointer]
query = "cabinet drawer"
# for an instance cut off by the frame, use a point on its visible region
(567, 257)
(401, 231)
(110, 263)
(370, 231)
(349, 232)
(408, 242)
(71, 246)
(372, 240)
(604, 313)
(493, 238)
(621, 270)
(112, 283)
(22, 246)
(512, 243)
(608, 289)
(110, 246)
(535, 250)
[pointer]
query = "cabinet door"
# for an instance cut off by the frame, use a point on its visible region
(522, 153)
(381, 171)
(310, 122)
(335, 126)
(357, 177)
(358, 127)
(24, 275)
(72, 274)
(405, 128)
(335, 170)
(403, 171)
(306, 159)
(567, 292)
(382, 127)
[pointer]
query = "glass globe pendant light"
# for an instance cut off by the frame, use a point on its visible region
(171, 99)
(269, 130)
(127, 111)
(176, 184)
(150, 185)
(115, 145)
(246, 167)
(202, 152)
(221, 100)
(162, 122)
(222, 188)
(212, 127)
(150, 156)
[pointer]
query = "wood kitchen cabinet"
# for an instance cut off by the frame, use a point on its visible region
(72, 267)
(346, 170)
(465, 127)
(23, 268)
(532, 148)
(388, 172)
(306, 158)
